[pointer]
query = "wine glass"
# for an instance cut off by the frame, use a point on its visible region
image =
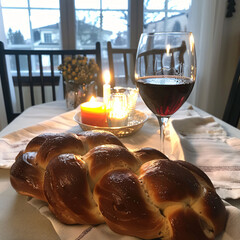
(165, 72)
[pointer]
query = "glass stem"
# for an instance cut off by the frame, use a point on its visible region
(162, 123)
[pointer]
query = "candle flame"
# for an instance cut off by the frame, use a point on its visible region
(168, 49)
(92, 99)
(107, 77)
(136, 76)
(119, 108)
(191, 39)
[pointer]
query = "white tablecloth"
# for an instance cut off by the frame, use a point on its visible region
(147, 136)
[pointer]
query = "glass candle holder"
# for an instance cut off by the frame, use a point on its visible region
(131, 95)
(118, 111)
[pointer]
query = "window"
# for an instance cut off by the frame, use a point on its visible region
(27, 21)
(101, 20)
(168, 15)
(36, 24)
(47, 38)
(33, 24)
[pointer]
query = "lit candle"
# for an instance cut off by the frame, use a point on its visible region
(117, 120)
(168, 49)
(93, 113)
(191, 38)
(118, 112)
(106, 88)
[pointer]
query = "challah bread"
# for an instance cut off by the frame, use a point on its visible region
(27, 173)
(92, 178)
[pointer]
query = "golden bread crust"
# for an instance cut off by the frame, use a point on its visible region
(92, 178)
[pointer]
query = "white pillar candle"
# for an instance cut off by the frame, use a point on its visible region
(168, 49)
(106, 88)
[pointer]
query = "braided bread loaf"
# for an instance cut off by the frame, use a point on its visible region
(92, 178)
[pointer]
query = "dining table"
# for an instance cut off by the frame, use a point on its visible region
(22, 217)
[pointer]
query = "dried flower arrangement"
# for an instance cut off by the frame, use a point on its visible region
(79, 69)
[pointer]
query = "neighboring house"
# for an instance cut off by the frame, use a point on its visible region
(47, 35)
(87, 35)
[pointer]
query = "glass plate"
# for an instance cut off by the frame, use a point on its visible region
(134, 124)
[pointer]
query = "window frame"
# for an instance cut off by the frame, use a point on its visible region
(68, 21)
(28, 8)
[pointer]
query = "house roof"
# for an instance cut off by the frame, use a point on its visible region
(84, 26)
(52, 26)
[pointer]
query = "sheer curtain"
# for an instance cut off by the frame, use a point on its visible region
(3, 118)
(206, 21)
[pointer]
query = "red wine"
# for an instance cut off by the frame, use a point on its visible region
(164, 95)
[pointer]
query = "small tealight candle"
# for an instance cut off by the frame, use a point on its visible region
(118, 114)
(131, 95)
(94, 113)
(106, 88)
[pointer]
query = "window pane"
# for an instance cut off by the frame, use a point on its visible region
(153, 17)
(120, 19)
(44, 3)
(154, 4)
(177, 22)
(39, 19)
(45, 30)
(103, 22)
(89, 4)
(14, 3)
(116, 4)
(89, 17)
(172, 18)
(179, 4)
(88, 28)
(16, 25)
